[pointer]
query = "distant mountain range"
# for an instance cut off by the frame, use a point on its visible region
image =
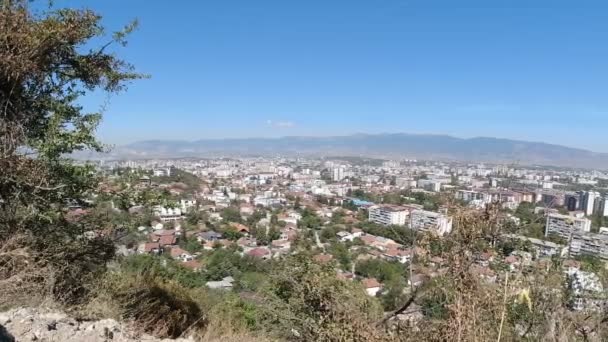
(400, 145)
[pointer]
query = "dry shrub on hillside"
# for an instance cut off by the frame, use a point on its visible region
(521, 304)
(305, 301)
(163, 309)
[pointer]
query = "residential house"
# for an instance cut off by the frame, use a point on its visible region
(149, 248)
(241, 228)
(260, 252)
(372, 286)
(180, 254)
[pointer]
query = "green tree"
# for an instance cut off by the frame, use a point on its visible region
(195, 216)
(342, 255)
(309, 220)
(48, 62)
(231, 215)
(231, 234)
(305, 301)
(384, 271)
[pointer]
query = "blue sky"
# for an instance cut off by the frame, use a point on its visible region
(524, 69)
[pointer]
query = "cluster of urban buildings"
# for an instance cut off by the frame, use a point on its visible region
(568, 199)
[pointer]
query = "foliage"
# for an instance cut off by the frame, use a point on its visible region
(337, 217)
(306, 302)
(341, 253)
(167, 269)
(231, 215)
(231, 234)
(251, 281)
(163, 309)
(309, 220)
(227, 262)
(590, 263)
(195, 216)
(190, 244)
(255, 218)
(49, 60)
(393, 296)
(400, 234)
(435, 302)
(384, 271)
(191, 181)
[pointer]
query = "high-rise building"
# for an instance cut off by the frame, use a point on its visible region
(588, 205)
(604, 206)
(581, 200)
(572, 202)
(338, 174)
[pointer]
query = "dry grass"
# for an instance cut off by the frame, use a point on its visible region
(163, 309)
(22, 281)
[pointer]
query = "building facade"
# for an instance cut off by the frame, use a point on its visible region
(388, 214)
(431, 221)
(564, 225)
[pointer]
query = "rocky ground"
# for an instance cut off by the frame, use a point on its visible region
(27, 324)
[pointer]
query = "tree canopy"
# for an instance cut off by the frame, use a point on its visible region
(48, 61)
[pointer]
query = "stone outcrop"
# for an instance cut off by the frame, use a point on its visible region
(36, 324)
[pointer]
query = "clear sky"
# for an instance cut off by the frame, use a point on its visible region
(524, 69)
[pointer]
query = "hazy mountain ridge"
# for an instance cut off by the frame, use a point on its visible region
(420, 146)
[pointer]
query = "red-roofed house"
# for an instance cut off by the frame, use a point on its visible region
(372, 286)
(241, 228)
(401, 255)
(180, 254)
(167, 240)
(260, 252)
(149, 248)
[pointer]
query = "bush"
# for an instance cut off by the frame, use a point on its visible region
(305, 301)
(164, 309)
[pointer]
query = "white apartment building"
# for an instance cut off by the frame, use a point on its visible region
(185, 205)
(388, 214)
(589, 244)
(165, 172)
(432, 221)
(472, 195)
(604, 206)
(338, 174)
(588, 202)
(168, 214)
(564, 225)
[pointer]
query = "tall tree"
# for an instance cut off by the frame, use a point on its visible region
(46, 66)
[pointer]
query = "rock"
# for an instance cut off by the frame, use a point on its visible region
(38, 324)
(52, 325)
(4, 318)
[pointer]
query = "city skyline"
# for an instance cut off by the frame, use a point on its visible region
(521, 71)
